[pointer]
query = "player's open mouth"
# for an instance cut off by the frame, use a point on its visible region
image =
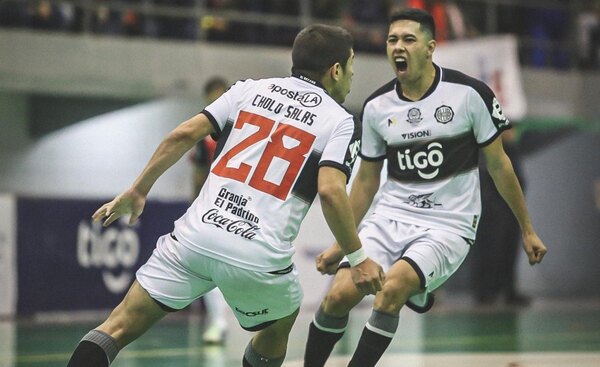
(401, 64)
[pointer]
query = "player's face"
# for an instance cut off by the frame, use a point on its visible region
(409, 49)
(342, 88)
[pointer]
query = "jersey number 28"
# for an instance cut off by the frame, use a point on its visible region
(275, 148)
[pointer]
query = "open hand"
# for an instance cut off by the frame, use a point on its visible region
(128, 203)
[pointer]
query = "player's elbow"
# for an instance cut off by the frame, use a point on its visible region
(330, 192)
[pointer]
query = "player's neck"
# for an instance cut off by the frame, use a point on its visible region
(415, 89)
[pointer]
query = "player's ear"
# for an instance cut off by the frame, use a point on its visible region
(431, 47)
(335, 71)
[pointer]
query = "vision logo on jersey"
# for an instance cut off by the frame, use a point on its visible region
(414, 116)
(426, 162)
(416, 134)
(444, 114)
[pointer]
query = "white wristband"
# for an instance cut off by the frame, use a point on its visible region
(356, 257)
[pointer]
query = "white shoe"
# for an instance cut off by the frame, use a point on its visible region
(214, 335)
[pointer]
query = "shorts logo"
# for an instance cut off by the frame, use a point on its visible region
(414, 116)
(444, 114)
(252, 313)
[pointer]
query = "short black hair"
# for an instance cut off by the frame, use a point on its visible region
(214, 83)
(420, 16)
(318, 47)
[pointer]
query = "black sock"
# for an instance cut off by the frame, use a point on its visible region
(88, 354)
(96, 349)
(370, 349)
(253, 359)
(319, 346)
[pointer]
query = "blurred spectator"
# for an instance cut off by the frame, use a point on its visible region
(326, 9)
(588, 36)
(450, 22)
(367, 21)
(217, 28)
(133, 23)
(48, 16)
(168, 26)
(548, 31)
(106, 21)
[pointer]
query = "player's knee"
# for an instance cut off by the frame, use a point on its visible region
(394, 295)
(337, 303)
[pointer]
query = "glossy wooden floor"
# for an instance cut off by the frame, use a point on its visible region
(550, 333)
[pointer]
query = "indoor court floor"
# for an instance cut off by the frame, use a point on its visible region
(549, 333)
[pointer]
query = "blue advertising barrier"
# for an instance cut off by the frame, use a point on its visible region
(66, 262)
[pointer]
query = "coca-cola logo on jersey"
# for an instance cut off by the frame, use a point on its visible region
(238, 227)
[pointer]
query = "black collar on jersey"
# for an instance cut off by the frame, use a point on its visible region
(308, 80)
(436, 81)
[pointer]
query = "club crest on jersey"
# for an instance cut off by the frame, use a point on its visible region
(444, 114)
(414, 116)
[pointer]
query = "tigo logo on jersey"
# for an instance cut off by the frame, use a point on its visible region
(422, 161)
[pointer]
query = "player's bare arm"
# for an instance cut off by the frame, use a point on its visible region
(503, 174)
(169, 151)
(364, 188)
(367, 275)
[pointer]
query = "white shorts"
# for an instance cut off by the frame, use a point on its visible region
(434, 254)
(175, 276)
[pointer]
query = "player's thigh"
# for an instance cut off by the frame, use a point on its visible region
(175, 276)
(401, 281)
(436, 256)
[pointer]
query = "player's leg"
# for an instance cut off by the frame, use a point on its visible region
(216, 322)
(431, 258)
(401, 282)
(130, 319)
(330, 320)
(269, 346)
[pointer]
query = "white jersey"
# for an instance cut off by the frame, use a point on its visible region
(273, 135)
(432, 150)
